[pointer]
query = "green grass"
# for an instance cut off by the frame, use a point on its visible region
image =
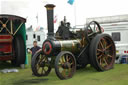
(86, 76)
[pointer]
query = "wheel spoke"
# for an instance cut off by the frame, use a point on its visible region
(38, 63)
(109, 56)
(63, 59)
(69, 70)
(64, 72)
(38, 67)
(71, 63)
(60, 64)
(101, 45)
(105, 61)
(99, 56)
(94, 27)
(43, 70)
(41, 59)
(99, 50)
(100, 61)
(67, 58)
(108, 46)
(104, 43)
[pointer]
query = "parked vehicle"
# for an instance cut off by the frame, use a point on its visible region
(12, 39)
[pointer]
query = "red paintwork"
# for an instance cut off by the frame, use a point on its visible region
(48, 43)
(5, 38)
(5, 46)
(6, 58)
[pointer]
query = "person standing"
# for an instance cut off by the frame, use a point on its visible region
(35, 48)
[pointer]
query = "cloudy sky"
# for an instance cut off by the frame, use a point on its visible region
(76, 13)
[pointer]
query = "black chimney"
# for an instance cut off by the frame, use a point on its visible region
(50, 13)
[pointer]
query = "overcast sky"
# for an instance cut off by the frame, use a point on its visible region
(76, 13)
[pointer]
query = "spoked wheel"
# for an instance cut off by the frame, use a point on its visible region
(65, 65)
(92, 29)
(40, 65)
(102, 52)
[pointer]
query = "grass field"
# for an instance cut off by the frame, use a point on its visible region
(86, 76)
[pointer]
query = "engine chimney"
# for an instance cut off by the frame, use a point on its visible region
(50, 13)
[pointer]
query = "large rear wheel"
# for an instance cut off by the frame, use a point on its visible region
(18, 50)
(102, 52)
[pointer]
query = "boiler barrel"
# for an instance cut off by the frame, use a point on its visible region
(70, 45)
(54, 47)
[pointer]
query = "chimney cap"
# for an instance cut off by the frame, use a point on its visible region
(49, 6)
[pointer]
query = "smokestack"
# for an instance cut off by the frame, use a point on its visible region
(50, 13)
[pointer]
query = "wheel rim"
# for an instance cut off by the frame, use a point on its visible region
(105, 53)
(66, 66)
(42, 66)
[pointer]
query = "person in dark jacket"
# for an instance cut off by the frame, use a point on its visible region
(63, 31)
(35, 48)
(59, 31)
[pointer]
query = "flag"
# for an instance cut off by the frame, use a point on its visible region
(55, 19)
(37, 28)
(71, 2)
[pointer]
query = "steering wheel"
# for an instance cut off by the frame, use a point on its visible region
(92, 29)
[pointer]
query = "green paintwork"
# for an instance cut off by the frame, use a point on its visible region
(22, 32)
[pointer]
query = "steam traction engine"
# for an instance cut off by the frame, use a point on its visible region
(84, 46)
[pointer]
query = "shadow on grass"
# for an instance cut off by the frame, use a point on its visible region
(88, 69)
(6, 65)
(29, 81)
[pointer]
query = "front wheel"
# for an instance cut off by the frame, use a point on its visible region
(40, 65)
(102, 52)
(65, 65)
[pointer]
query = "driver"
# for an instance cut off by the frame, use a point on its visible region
(59, 31)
